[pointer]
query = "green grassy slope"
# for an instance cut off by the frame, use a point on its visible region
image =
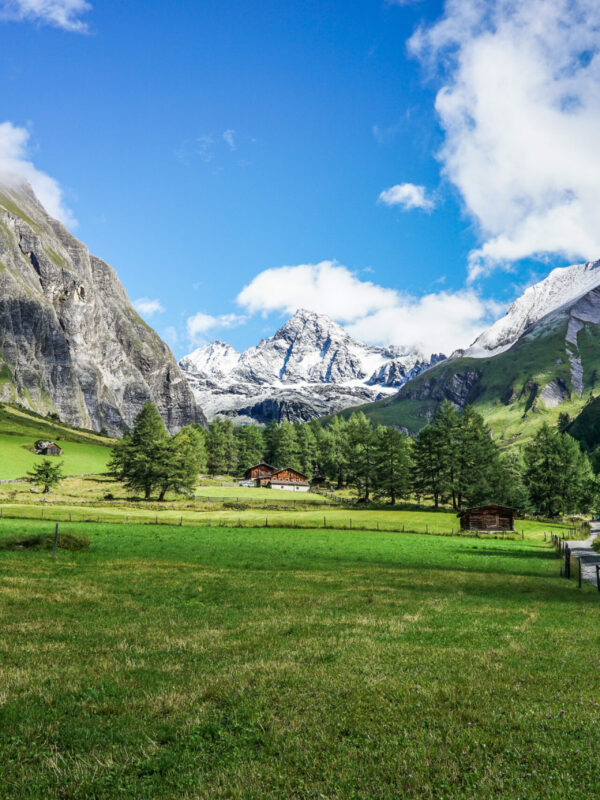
(274, 664)
(505, 388)
(83, 451)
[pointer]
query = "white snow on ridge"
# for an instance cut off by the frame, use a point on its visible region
(311, 362)
(563, 285)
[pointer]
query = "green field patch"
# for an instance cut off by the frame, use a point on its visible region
(222, 663)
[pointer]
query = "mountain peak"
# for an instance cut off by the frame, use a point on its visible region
(559, 288)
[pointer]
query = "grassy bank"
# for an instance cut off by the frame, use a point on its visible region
(208, 663)
(83, 451)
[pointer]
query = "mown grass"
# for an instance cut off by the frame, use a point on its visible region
(222, 663)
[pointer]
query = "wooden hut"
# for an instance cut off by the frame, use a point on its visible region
(47, 449)
(260, 473)
(487, 518)
(289, 479)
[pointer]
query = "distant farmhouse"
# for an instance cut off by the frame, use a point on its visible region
(487, 518)
(43, 448)
(287, 479)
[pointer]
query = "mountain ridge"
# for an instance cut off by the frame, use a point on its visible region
(547, 364)
(70, 340)
(309, 368)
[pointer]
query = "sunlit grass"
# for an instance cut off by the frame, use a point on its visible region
(222, 663)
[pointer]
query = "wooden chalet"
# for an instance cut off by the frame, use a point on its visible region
(487, 518)
(290, 480)
(48, 449)
(260, 473)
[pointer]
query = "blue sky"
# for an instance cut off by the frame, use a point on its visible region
(198, 145)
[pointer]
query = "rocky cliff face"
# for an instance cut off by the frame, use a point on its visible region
(70, 341)
(310, 367)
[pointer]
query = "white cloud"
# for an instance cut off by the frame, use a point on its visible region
(442, 321)
(15, 166)
(327, 287)
(229, 138)
(148, 307)
(408, 196)
(520, 109)
(58, 13)
(199, 324)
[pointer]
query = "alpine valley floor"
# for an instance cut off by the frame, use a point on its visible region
(220, 663)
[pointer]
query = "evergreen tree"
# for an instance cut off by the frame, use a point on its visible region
(429, 454)
(361, 454)
(250, 447)
(307, 449)
(47, 474)
(286, 447)
(271, 437)
(392, 467)
(447, 425)
(335, 451)
(137, 458)
(557, 474)
(184, 457)
(476, 461)
(221, 446)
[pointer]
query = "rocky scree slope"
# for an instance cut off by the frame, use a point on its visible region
(70, 341)
(310, 367)
(542, 358)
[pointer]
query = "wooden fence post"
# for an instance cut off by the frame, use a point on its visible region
(598, 576)
(180, 521)
(55, 541)
(579, 578)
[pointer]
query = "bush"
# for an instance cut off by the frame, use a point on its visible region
(109, 496)
(45, 541)
(236, 505)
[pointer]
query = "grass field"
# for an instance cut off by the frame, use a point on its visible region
(83, 451)
(222, 663)
(262, 493)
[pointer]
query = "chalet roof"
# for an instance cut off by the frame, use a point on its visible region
(262, 464)
(289, 469)
(487, 507)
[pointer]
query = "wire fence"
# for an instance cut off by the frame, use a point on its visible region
(338, 523)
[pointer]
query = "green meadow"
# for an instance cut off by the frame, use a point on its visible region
(83, 451)
(192, 662)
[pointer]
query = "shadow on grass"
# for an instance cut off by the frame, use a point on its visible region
(508, 553)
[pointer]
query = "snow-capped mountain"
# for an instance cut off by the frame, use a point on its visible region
(540, 360)
(309, 368)
(561, 287)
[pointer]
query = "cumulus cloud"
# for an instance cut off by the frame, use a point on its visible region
(200, 324)
(148, 307)
(327, 288)
(16, 166)
(440, 321)
(63, 14)
(408, 196)
(520, 109)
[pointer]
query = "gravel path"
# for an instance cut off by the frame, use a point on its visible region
(589, 557)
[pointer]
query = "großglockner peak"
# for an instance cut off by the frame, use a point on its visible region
(309, 368)
(70, 340)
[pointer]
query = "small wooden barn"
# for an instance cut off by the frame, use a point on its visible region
(289, 479)
(47, 449)
(487, 518)
(260, 473)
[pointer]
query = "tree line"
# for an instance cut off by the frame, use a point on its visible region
(453, 461)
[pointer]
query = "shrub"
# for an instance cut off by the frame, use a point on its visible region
(45, 541)
(236, 505)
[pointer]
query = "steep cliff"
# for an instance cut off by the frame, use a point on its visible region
(70, 341)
